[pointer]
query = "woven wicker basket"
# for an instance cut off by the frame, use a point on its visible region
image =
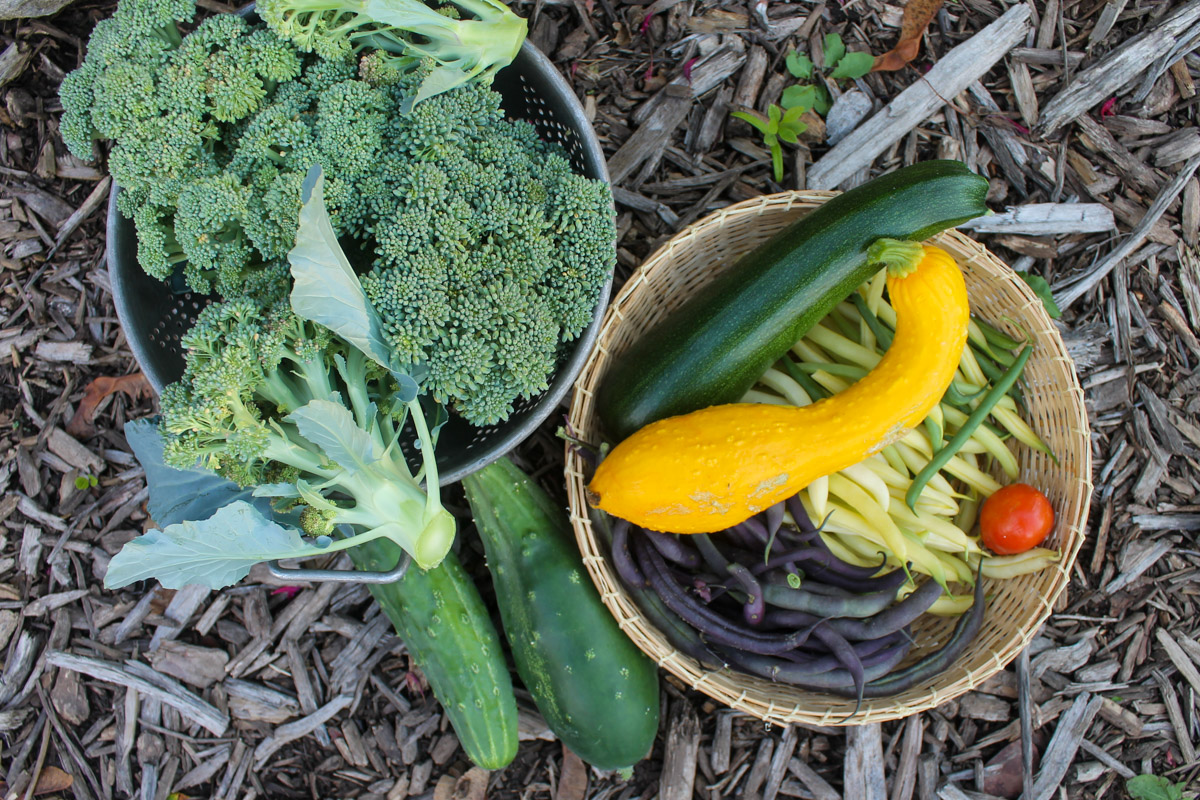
(1016, 607)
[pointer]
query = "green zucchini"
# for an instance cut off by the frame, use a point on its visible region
(596, 690)
(444, 623)
(714, 347)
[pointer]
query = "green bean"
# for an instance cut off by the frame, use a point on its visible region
(957, 397)
(763, 398)
(849, 371)
(943, 456)
(985, 436)
(842, 348)
(1019, 428)
(883, 336)
(786, 386)
(935, 426)
(995, 336)
(810, 387)
(843, 325)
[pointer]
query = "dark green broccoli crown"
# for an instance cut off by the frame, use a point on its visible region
(493, 255)
(481, 248)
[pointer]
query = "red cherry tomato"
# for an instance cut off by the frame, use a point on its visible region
(1014, 519)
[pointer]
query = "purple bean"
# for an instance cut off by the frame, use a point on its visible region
(755, 607)
(682, 636)
(800, 516)
(837, 681)
(887, 621)
(965, 630)
(672, 549)
(773, 517)
(755, 528)
(846, 654)
(622, 560)
(869, 653)
(824, 561)
(781, 595)
(711, 625)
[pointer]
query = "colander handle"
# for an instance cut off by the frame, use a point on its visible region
(340, 575)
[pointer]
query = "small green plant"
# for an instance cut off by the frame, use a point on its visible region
(86, 482)
(1153, 787)
(782, 122)
(778, 125)
(840, 65)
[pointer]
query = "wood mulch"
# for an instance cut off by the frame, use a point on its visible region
(274, 691)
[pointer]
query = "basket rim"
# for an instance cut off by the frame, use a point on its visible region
(747, 693)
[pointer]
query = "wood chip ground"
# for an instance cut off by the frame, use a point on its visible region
(1082, 113)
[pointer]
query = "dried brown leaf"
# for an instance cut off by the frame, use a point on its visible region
(917, 16)
(51, 780)
(573, 779)
(134, 386)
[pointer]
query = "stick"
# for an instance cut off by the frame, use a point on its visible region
(1046, 219)
(1116, 70)
(951, 75)
(133, 675)
(864, 762)
(1068, 295)
(1060, 753)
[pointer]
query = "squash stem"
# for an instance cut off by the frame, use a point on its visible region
(900, 257)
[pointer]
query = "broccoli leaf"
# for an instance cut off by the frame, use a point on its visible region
(853, 65)
(215, 552)
(179, 495)
(326, 290)
(331, 427)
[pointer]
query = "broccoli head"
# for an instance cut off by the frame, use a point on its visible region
(162, 96)
(493, 254)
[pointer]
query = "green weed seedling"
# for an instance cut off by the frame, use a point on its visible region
(782, 121)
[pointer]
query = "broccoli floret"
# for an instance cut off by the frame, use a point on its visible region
(493, 255)
(161, 95)
(257, 377)
(407, 37)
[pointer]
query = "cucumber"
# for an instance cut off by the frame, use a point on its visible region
(714, 347)
(443, 622)
(596, 690)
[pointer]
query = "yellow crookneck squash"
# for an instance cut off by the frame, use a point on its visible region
(711, 469)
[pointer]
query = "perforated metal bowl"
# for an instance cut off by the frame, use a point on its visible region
(153, 318)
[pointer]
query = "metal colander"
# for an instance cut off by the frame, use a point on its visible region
(153, 318)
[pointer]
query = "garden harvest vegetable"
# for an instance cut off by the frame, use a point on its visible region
(595, 689)
(480, 247)
(1015, 519)
(405, 36)
(714, 347)
(305, 403)
(439, 612)
(711, 469)
(445, 627)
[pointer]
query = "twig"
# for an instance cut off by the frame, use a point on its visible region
(1025, 709)
(1060, 753)
(134, 675)
(298, 729)
(1117, 69)
(1068, 295)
